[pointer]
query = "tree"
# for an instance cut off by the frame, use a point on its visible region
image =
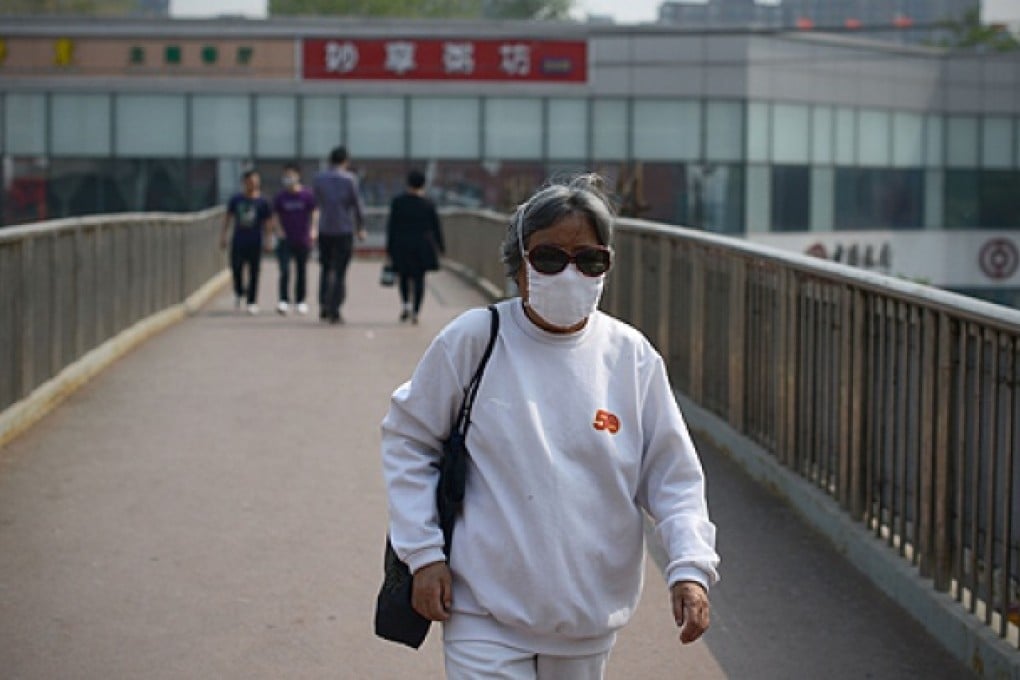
(526, 9)
(427, 9)
(968, 32)
(66, 7)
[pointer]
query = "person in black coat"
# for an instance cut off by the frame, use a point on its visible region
(413, 240)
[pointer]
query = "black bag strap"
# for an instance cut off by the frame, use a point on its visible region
(464, 417)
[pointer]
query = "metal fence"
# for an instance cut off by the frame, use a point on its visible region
(66, 286)
(899, 401)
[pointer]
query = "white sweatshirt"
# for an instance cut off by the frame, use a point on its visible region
(571, 437)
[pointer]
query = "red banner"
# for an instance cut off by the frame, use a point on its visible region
(400, 59)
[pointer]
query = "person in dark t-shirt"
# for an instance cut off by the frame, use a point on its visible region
(248, 215)
(297, 216)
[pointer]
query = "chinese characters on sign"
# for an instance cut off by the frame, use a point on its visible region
(532, 60)
(209, 55)
(63, 52)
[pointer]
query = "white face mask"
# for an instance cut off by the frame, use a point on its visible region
(566, 299)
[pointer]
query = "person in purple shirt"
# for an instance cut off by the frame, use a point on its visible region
(297, 216)
(248, 214)
(341, 216)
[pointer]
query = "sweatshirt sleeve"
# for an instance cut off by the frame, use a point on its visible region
(672, 486)
(420, 416)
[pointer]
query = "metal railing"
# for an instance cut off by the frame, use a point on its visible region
(899, 401)
(67, 286)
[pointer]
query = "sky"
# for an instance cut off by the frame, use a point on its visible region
(623, 11)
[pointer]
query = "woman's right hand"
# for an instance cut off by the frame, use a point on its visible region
(432, 591)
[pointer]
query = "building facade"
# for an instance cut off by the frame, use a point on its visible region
(832, 144)
(908, 21)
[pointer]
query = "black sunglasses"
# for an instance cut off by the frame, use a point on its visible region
(589, 260)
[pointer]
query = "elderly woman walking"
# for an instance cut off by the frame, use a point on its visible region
(575, 432)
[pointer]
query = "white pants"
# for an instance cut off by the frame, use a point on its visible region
(476, 660)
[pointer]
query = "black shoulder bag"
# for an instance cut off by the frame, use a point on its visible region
(395, 618)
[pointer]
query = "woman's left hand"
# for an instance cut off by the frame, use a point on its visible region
(432, 591)
(691, 609)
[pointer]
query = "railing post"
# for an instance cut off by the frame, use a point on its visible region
(845, 298)
(665, 290)
(929, 463)
(787, 387)
(635, 308)
(857, 344)
(737, 349)
(26, 358)
(697, 329)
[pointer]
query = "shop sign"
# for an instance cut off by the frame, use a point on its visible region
(498, 60)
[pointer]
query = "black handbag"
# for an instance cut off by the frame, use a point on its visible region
(387, 275)
(395, 618)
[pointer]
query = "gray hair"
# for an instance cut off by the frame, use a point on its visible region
(582, 194)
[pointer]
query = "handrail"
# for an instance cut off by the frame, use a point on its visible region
(69, 285)
(898, 400)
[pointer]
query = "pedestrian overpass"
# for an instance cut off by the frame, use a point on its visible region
(211, 504)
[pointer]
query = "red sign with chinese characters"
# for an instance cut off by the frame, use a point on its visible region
(399, 59)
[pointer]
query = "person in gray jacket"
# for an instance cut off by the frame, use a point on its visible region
(341, 218)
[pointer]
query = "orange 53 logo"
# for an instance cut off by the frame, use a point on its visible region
(604, 420)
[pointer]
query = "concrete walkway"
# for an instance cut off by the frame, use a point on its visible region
(212, 507)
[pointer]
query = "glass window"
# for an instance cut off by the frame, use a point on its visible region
(997, 196)
(722, 196)
(907, 140)
(871, 198)
(1016, 138)
(758, 195)
(724, 123)
(791, 197)
(822, 198)
(962, 148)
(444, 127)
(375, 127)
(997, 142)
(609, 129)
(320, 126)
(80, 125)
(933, 141)
(220, 125)
(25, 123)
(513, 128)
(138, 115)
(701, 196)
(934, 198)
(790, 131)
(961, 204)
(153, 184)
(24, 190)
(380, 180)
(567, 129)
(83, 186)
(873, 143)
(275, 133)
(757, 132)
(666, 129)
(846, 136)
(821, 135)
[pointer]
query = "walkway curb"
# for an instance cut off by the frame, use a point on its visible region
(960, 633)
(21, 415)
